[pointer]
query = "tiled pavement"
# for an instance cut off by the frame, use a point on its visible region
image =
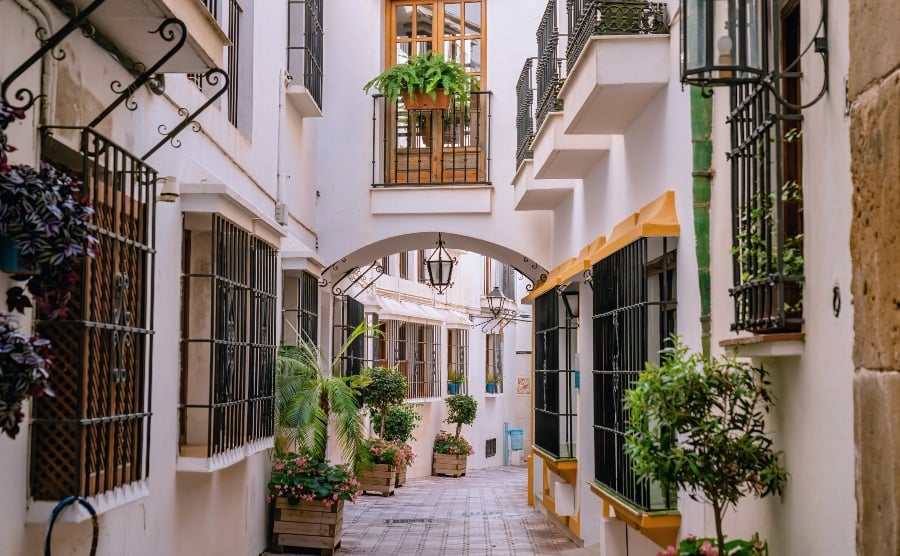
(484, 513)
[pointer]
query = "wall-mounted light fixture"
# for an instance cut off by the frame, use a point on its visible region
(170, 189)
(440, 267)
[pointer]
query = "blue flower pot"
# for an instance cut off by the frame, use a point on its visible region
(491, 388)
(9, 256)
(453, 388)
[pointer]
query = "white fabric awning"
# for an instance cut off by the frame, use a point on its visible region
(394, 309)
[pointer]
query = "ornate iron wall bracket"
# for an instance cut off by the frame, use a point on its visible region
(24, 95)
(323, 281)
(357, 276)
(168, 34)
(211, 77)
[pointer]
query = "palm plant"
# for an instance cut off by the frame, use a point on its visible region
(310, 395)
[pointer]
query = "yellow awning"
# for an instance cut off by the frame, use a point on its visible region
(655, 219)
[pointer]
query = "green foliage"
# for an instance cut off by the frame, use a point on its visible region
(454, 376)
(301, 477)
(699, 424)
(309, 395)
(461, 411)
(446, 443)
(387, 388)
(24, 371)
(424, 73)
(400, 422)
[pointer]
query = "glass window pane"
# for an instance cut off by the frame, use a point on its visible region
(473, 55)
(473, 18)
(424, 21)
(452, 51)
(404, 21)
(403, 52)
(451, 20)
(423, 46)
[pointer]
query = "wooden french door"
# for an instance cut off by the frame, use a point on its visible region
(437, 146)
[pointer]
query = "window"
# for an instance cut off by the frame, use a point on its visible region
(437, 147)
(404, 265)
(555, 336)
(234, 59)
(414, 349)
(301, 309)
(490, 447)
(767, 198)
(93, 435)
(228, 337)
(304, 51)
(493, 363)
(348, 314)
(386, 265)
(501, 275)
(633, 315)
(458, 360)
(423, 270)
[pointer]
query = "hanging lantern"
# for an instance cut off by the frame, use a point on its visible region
(496, 301)
(440, 267)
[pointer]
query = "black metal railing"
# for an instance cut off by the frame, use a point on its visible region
(767, 238)
(309, 307)
(234, 56)
(305, 46)
(554, 376)
(93, 435)
(633, 315)
(228, 346)
(550, 69)
(212, 6)
(612, 17)
(525, 90)
(432, 147)
(493, 363)
(413, 349)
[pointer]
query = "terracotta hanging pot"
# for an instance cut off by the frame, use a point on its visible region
(422, 101)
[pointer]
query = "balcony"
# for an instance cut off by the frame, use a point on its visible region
(617, 59)
(124, 26)
(304, 55)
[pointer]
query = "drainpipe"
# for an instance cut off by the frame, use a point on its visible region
(701, 142)
(42, 20)
(285, 79)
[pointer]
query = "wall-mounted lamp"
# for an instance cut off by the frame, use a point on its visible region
(570, 300)
(496, 301)
(170, 189)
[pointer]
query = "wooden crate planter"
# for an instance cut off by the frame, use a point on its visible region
(307, 525)
(382, 478)
(449, 465)
(401, 476)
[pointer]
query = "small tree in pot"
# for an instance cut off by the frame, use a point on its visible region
(699, 423)
(451, 451)
(386, 389)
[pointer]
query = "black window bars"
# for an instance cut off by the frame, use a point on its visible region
(305, 46)
(458, 360)
(348, 314)
(525, 91)
(555, 336)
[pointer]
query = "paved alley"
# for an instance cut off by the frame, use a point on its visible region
(482, 513)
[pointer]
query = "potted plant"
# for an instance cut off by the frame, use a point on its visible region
(452, 451)
(24, 364)
(398, 426)
(454, 380)
(386, 389)
(426, 82)
(492, 382)
(311, 400)
(698, 423)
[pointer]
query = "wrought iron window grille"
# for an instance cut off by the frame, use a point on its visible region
(93, 435)
(432, 147)
(348, 314)
(458, 358)
(550, 72)
(413, 349)
(305, 44)
(493, 362)
(633, 315)
(555, 349)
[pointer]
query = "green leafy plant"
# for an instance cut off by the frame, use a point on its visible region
(387, 388)
(698, 423)
(383, 451)
(24, 372)
(692, 546)
(446, 443)
(301, 477)
(454, 376)
(461, 410)
(309, 395)
(424, 74)
(399, 423)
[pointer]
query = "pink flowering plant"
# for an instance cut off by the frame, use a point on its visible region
(405, 455)
(446, 443)
(383, 451)
(300, 477)
(693, 546)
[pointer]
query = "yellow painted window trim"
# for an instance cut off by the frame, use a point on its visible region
(659, 526)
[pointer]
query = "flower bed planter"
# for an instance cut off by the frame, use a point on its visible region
(449, 465)
(401, 477)
(382, 479)
(307, 524)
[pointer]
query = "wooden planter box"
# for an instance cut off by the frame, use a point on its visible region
(381, 479)
(401, 476)
(449, 465)
(307, 525)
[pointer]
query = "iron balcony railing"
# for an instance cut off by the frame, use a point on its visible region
(588, 18)
(633, 315)
(305, 46)
(525, 89)
(550, 65)
(235, 12)
(432, 147)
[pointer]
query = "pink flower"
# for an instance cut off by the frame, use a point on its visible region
(335, 497)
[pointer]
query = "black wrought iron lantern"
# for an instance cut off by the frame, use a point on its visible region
(723, 42)
(496, 301)
(440, 267)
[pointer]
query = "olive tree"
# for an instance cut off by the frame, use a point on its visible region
(461, 411)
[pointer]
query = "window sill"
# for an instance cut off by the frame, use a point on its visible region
(766, 345)
(39, 510)
(431, 399)
(202, 464)
(660, 527)
(489, 395)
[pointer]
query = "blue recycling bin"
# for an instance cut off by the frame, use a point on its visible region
(515, 439)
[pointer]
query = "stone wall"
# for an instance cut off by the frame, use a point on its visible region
(874, 91)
